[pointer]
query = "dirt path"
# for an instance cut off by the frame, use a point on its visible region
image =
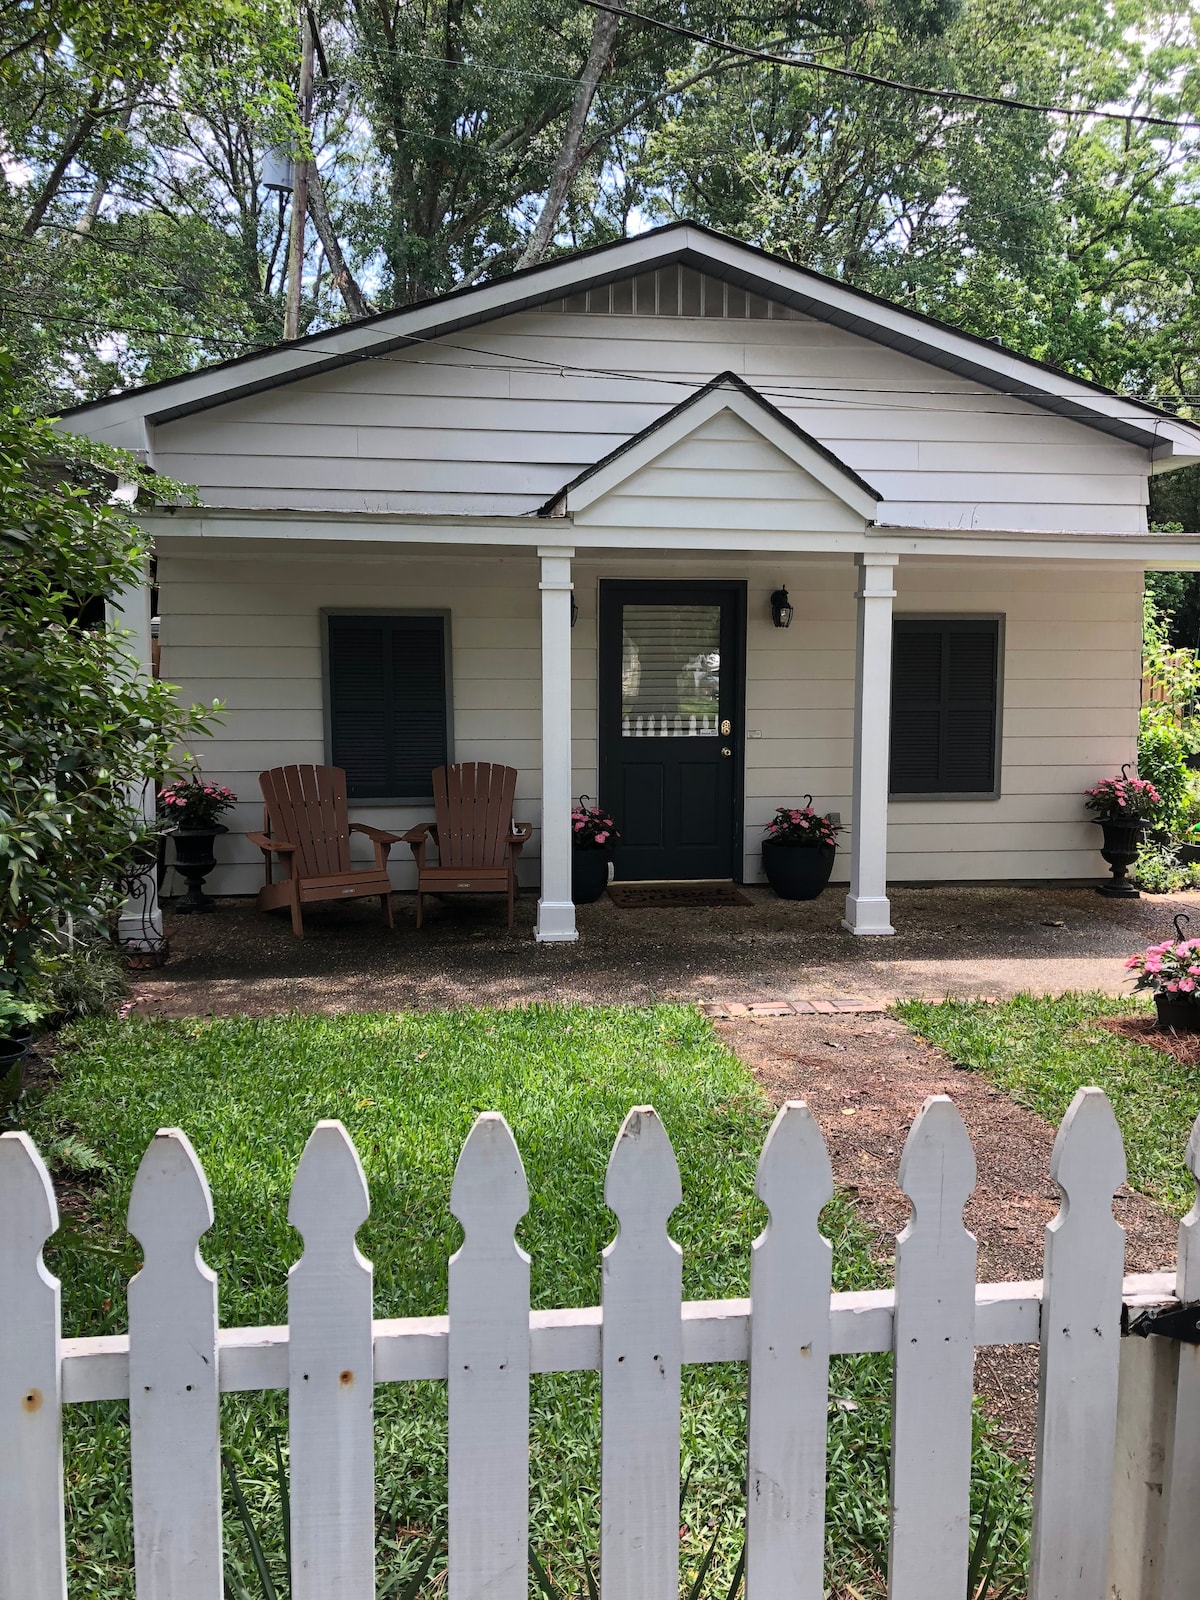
(864, 1080)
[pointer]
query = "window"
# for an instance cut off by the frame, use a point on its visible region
(388, 703)
(945, 677)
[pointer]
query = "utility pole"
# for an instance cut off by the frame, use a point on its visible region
(295, 272)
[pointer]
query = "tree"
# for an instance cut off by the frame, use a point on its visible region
(82, 729)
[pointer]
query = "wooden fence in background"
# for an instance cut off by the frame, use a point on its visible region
(176, 1361)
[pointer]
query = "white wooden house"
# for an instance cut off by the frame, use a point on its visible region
(540, 521)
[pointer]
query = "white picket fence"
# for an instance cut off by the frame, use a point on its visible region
(175, 1362)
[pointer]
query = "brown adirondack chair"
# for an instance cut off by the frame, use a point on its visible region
(305, 824)
(478, 842)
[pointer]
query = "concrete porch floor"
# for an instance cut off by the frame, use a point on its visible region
(957, 941)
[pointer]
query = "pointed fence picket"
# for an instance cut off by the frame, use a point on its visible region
(331, 1376)
(174, 1411)
(1080, 1358)
(176, 1361)
(33, 1561)
(789, 1365)
(488, 1356)
(935, 1357)
(641, 1358)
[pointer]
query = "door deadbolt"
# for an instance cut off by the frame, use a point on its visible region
(726, 728)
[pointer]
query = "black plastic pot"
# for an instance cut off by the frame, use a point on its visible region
(589, 875)
(1119, 848)
(797, 871)
(1180, 1015)
(14, 1047)
(195, 859)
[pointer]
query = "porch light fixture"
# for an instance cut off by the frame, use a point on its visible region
(781, 609)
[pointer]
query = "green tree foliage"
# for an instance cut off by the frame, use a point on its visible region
(82, 729)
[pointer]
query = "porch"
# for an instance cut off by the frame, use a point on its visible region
(524, 663)
(966, 941)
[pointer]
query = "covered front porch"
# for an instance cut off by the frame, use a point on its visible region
(525, 663)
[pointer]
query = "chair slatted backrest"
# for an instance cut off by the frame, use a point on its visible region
(307, 807)
(474, 806)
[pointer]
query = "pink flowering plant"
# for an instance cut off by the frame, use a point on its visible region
(1169, 968)
(194, 802)
(1123, 799)
(592, 828)
(802, 826)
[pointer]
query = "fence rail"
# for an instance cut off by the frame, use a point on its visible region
(175, 1362)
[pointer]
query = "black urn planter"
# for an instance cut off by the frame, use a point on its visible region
(1176, 1013)
(797, 871)
(589, 875)
(195, 860)
(1119, 848)
(14, 1047)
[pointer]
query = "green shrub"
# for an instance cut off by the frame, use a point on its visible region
(1163, 749)
(83, 979)
(1159, 870)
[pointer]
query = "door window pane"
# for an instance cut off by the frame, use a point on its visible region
(670, 671)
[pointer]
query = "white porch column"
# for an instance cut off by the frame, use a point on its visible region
(867, 908)
(556, 909)
(140, 924)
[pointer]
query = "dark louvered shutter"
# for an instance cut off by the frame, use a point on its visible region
(387, 704)
(944, 683)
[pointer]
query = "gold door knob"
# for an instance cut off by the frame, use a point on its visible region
(725, 750)
(726, 728)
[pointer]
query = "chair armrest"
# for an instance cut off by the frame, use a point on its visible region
(521, 833)
(379, 837)
(280, 846)
(416, 835)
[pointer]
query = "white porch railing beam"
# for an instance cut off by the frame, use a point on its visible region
(556, 909)
(867, 907)
(140, 924)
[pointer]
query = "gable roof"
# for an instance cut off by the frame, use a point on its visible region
(726, 392)
(690, 244)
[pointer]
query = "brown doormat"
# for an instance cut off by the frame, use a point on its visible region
(643, 896)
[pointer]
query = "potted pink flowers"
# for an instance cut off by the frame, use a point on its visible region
(593, 834)
(1124, 807)
(798, 851)
(191, 809)
(1171, 972)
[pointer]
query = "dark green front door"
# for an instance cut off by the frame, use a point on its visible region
(671, 726)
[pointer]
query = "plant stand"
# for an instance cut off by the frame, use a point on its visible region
(195, 860)
(1119, 849)
(589, 875)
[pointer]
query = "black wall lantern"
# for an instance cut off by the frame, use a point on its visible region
(781, 609)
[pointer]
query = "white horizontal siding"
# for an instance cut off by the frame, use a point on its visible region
(496, 419)
(231, 629)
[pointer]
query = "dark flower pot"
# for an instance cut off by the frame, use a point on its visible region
(195, 859)
(1178, 1014)
(1119, 848)
(589, 875)
(14, 1047)
(797, 871)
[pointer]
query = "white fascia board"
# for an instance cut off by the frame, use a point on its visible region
(522, 535)
(672, 432)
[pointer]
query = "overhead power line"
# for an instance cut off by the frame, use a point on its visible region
(963, 96)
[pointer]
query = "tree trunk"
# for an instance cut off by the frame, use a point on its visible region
(570, 157)
(75, 141)
(356, 302)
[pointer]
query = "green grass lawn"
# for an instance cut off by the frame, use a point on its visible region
(1040, 1051)
(408, 1088)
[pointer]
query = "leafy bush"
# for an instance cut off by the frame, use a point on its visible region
(83, 729)
(1158, 869)
(82, 979)
(1163, 749)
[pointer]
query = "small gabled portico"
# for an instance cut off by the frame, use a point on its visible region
(764, 480)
